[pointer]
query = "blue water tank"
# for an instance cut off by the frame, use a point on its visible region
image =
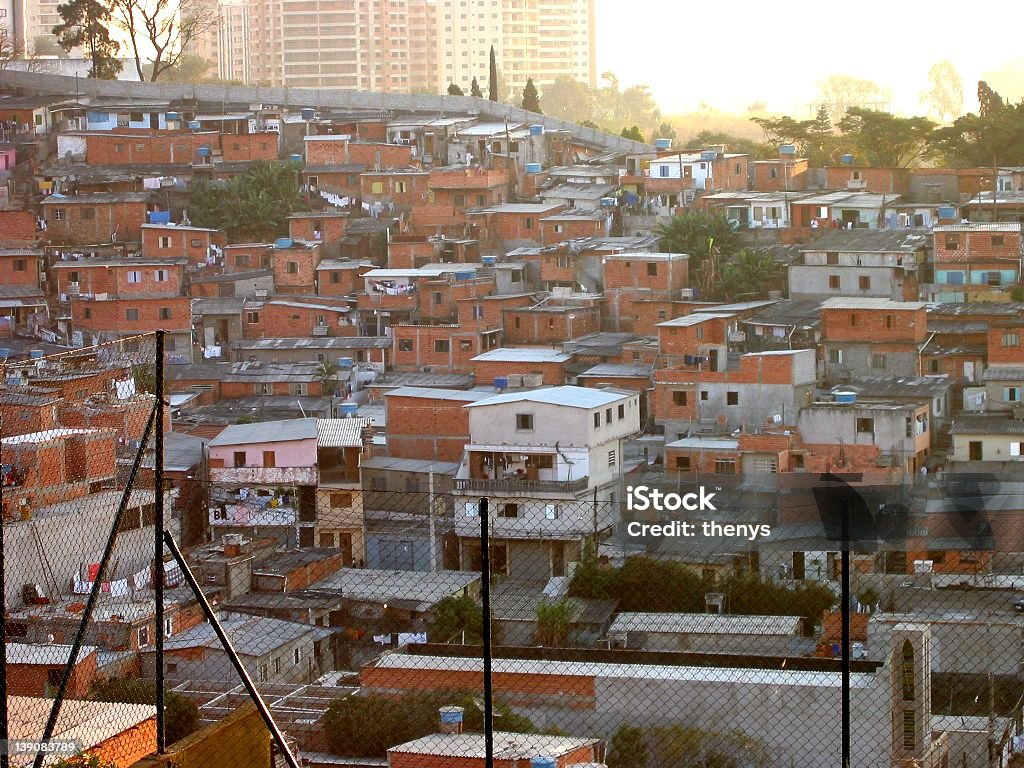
(465, 275)
(787, 149)
(194, 125)
(663, 143)
(308, 113)
(349, 409)
(489, 260)
(283, 242)
(708, 156)
(607, 202)
(159, 217)
(296, 158)
(536, 130)
(947, 212)
(35, 354)
(846, 159)
(501, 382)
(451, 715)
(543, 762)
(203, 151)
(5, 352)
(846, 398)
(346, 363)
(631, 198)
(173, 117)
(534, 167)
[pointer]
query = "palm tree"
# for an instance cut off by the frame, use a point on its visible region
(328, 375)
(749, 272)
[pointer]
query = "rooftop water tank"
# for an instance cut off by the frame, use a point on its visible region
(708, 156)
(536, 130)
(173, 117)
(194, 125)
(947, 212)
(663, 143)
(5, 352)
(787, 149)
(346, 363)
(308, 113)
(501, 382)
(35, 354)
(283, 242)
(543, 762)
(846, 159)
(295, 158)
(348, 410)
(845, 398)
(534, 167)
(203, 151)
(607, 202)
(489, 260)
(159, 217)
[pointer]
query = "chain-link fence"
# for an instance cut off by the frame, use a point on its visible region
(320, 609)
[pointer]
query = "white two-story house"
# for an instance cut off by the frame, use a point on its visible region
(549, 462)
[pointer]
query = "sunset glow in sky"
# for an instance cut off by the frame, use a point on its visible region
(736, 53)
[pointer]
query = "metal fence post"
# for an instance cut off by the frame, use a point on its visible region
(485, 596)
(158, 550)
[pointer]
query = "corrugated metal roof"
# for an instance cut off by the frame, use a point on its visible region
(315, 342)
(460, 395)
(267, 432)
(47, 655)
(626, 370)
(522, 355)
(340, 433)
(1003, 373)
(253, 636)
(897, 386)
(706, 443)
(420, 466)
(980, 226)
(984, 424)
(705, 624)
(850, 302)
(870, 241)
(572, 397)
(695, 319)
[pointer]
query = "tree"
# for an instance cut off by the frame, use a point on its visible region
(749, 273)
(182, 714)
(10, 48)
(882, 139)
(553, 623)
(189, 69)
(977, 140)
(327, 372)
(666, 131)
(989, 102)
(571, 100)
(786, 130)
(454, 90)
(707, 138)
(161, 31)
(251, 207)
(84, 760)
(696, 234)
(633, 132)
(474, 89)
(840, 92)
(531, 99)
(492, 77)
(945, 93)
(457, 617)
(589, 124)
(86, 23)
(627, 748)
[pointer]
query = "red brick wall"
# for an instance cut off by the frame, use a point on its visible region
(517, 226)
(446, 308)
(663, 401)
(1005, 345)
(22, 419)
(400, 188)
(437, 219)
(404, 251)
(191, 244)
(391, 155)
(687, 340)
(977, 247)
(246, 257)
(729, 173)
(147, 149)
(462, 346)
(282, 321)
(242, 147)
(27, 274)
(18, 225)
(538, 327)
(340, 183)
(647, 315)
(303, 227)
(305, 575)
(493, 308)
(31, 679)
(569, 230)
(126, 218)
(114, 279)
(112, 315)
(905, 325)
(627, 273)
(127, 419)
(886, 181)
(487, 371)
(427, 428)
(765, 182)
(303, 280)
(347, 281)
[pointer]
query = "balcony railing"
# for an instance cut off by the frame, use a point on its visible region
(517, 485)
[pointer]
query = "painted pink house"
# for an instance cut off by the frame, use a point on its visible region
(267, 453)
(7, 157)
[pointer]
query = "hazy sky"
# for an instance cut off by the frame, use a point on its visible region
(739, 52)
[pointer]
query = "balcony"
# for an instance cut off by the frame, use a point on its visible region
(518, 485)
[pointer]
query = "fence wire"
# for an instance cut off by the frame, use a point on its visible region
(346, 615)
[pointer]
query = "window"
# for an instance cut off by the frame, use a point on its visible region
(865, 425)
(835, 356)
(732, 398)
(58, 214)
(119, 148)
(878, 362)
(252, 318)
(481, 200)
(20, 265)
(165, 313)
(142, 634)
(725, 466)
(1015, 449)
(612, 458)
(437, 298)
(997, 241)
(551, 511)
(994, 278)
(459, 201)
(833, 282)
(509, 509)
(527, 223)
(704, 395)
(161, 275)
(597, 420)
(293, 268)
(952, 242)
(195, 242)
(1011, 394)
(679, 397)
(277, 665)
(682, 463)
(242, 260)
(405, 345)
(652, 269)
(853, 321)
(773, 173)
(164, 242)
(622, 411)
(1011, 339)
(563, 262)
(131, 314)
(239, 458)
(608, 416)
(478, 311)
(341, 500)
(864, 282)
(88, 213)
(298, 389)
(524, 422)
(934, 366)
(663, 171)
(263, 673)
(134, 277)
(269, 459)
(888, 321)
(441, 345)
(400, 187)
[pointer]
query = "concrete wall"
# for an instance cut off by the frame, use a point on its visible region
(239, 740)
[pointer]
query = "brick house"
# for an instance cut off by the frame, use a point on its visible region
(429, 424)
(696, 340)
(295, 267)
(337, 277)
(875, 336)
(243, 257)
(487, 312)
(318, 226)
(976, 261)
(552, 320)
(28, 409)
(299, 317)
(138, 148)
(215, 381)
(20, 266)
(633, 276)
(342, 150)
(511, 223)
(18, 227)
(112, 318)
(37, 670)
(573, 224)
(548, 363)
(884, 181)
(460, 187)
(405, 187)
(439, 347)
(340, 179)
(248, 147)
(116, 278)
(779, 175)
(196, 244)
(96, 218)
